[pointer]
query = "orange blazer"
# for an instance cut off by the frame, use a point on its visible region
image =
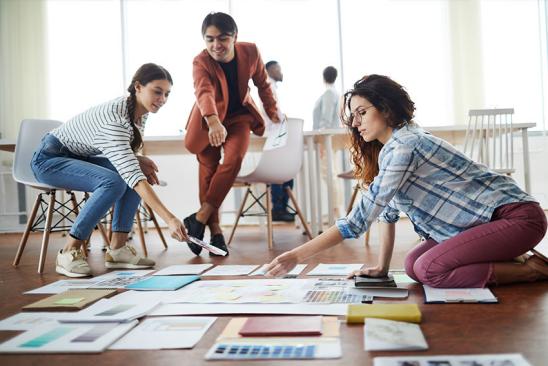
(211, 90)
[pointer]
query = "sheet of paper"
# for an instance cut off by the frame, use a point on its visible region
(291, 274)
(63, 285)
(107, 310)
(277, 136)
(389, 335)
(510, 359)
(332, 269)
(67, 338)
(183, 269)
(29, 320)
(248, 291)
(120, 279)
(452, 295)
(401, 277)
(165, 333)
(231, 270)
(214, 309)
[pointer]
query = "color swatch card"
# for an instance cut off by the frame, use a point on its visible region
(509, 359)
(183, 269)
(111, 311)
(162, 283)
(390, 335)
(456, 295)
(67, 338)
(357, 313)
(332, 269)
(231, 270)
(172, 332)
(71, 300)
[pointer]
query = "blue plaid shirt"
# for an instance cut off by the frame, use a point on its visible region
(442, 191)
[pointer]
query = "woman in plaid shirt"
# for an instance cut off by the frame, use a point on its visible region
(474, 221)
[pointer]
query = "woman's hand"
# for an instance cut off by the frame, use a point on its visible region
(217, 132)
(282, 264)
(376, 271)
(177, 229)
(149, 169)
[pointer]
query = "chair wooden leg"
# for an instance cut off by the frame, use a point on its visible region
(238, 215)
(352, 198)
(104, 234)
(47, 228)
(269, 215)
(25, 236)
(141, 234)
(299, 212)
(153, 218)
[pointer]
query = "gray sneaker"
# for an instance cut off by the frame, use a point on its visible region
(126, 257)
(72, 263)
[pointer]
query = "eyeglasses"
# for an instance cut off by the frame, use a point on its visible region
(357, 117)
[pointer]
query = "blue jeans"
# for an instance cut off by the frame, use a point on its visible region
(280, 198)
(55, 165)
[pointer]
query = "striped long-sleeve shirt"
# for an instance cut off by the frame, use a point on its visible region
(105, 129)
(441, 190)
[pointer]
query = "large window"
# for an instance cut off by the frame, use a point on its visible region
(511, 56)
(406, 40)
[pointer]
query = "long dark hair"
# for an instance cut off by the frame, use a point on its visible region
(222, 21)
(390, 99)
(144, 75)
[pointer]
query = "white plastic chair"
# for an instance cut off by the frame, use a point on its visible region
(489, 140)
(31, 132)
(275, 166)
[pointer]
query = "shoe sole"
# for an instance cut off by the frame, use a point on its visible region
(64, 272)
(113, 265)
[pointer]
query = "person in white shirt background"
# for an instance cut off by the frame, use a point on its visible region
(326, 116)
(280, 198)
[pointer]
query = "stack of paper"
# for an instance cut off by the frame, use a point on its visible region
(165, 333)
(452, 295)
(183, 269)
(70, 300)
(231, 270)
(389, 335)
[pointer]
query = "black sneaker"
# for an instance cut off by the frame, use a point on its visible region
(196, 229)
(218, 240)
(283, 216)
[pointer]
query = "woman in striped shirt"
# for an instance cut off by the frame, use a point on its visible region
(474, 221)
(68, 158)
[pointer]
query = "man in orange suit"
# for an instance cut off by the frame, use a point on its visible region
(223, 117)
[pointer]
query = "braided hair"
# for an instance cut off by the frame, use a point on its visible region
(145, 74)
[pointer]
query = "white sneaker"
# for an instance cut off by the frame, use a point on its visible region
(72, 263)
(126, 257)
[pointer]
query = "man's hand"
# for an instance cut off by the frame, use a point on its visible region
(149, 169)
(217, 132)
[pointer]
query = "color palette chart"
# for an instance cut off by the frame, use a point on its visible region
(332, 297)
(243, 351)
(46, 338)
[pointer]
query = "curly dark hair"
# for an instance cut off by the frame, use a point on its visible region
(390, 99)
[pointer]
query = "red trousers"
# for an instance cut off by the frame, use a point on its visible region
(216, 178)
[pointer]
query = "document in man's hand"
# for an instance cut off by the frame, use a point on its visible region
(207, 246)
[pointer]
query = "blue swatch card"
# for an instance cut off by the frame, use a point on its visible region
(162, 283)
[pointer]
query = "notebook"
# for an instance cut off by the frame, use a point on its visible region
(162, 283)
(390, 335)
(70, 300)
(368, 282)
(400, 312)
(282, 326)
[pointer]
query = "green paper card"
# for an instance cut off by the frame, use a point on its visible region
(69, 301)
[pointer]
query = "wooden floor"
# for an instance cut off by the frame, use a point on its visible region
(519, 323)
